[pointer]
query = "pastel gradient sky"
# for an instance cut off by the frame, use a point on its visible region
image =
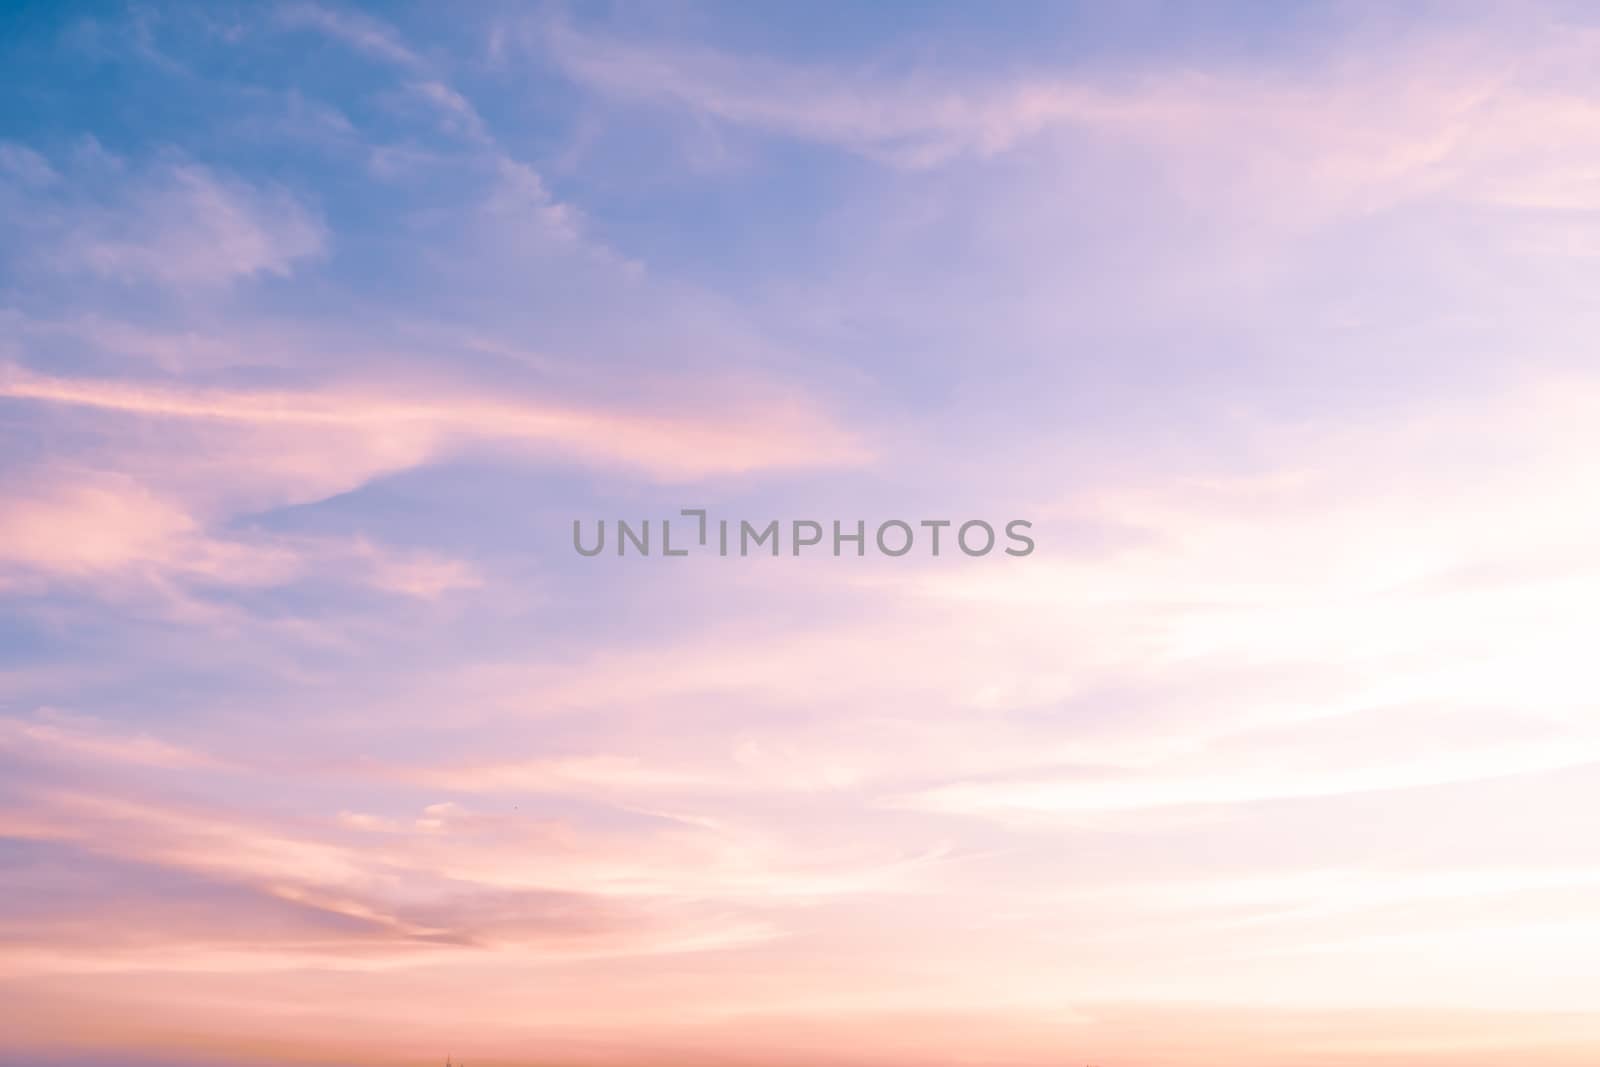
(320, 324)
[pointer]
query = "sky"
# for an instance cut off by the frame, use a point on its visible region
(321, 325)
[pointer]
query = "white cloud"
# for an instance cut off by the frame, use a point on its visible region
(186, 225)
(25, 165)
(361, 32)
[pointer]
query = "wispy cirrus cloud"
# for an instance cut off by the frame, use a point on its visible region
(209, 457)
(174, 223)
(687, 446)
(360, 31)
(1468, 118)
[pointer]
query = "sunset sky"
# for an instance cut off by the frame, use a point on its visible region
(320, 325)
